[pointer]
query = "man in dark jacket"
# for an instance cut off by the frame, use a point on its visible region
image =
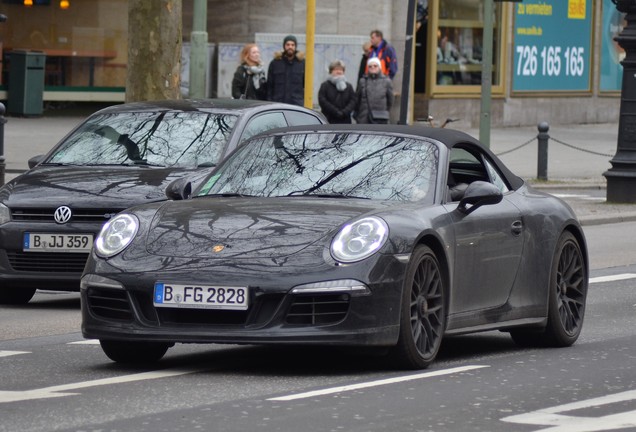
(286, 74)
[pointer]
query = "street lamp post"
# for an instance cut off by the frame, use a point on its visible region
(621, 177)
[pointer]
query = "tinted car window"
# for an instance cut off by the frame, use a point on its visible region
(496, 177)
(263, 123)
(182, 139)
(297, 118)
(349, 164)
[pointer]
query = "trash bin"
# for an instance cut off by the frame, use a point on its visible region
(26, 82)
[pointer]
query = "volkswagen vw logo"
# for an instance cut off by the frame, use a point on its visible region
(62, 214)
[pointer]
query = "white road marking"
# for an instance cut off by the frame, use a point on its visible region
(11, 353)
(59, 390)
(566, 423)
(358, 386)
(580, 196)
(85, 342)
(613, 278)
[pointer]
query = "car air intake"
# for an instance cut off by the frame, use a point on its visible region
(109, 304)
(318, 309)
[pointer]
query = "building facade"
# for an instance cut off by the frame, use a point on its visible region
(553, 60)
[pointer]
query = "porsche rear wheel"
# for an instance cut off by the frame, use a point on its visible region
(134, 352)
(423, 314)
(16, 295)
(566, 302)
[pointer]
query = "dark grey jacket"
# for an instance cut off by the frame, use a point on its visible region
(286, 79)
(375, 92)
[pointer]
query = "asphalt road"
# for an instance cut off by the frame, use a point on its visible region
(51, 379)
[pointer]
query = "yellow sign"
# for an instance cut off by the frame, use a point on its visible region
(576, 9)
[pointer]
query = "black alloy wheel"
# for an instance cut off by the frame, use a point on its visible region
(423, 314)
(567, 296)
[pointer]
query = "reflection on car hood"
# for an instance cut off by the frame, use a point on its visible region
(248, 228)
(89, 187)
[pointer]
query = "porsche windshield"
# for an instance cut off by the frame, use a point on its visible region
(165, 138)
(343, 165)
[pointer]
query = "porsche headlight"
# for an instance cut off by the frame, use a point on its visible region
(359, 240)
(116, 234)
(5, 214)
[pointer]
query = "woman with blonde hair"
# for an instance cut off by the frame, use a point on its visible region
(249, 80)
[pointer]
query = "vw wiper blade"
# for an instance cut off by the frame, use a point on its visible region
(57, 164)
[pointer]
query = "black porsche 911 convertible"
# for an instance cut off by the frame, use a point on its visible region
(356, 235)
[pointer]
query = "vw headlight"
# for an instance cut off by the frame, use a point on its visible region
(116, 235)
(5, 214)
(359, 240)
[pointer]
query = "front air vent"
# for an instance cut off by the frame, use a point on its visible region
(318, 309)
(109, 304)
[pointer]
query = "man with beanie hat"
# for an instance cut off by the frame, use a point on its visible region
(286, 74)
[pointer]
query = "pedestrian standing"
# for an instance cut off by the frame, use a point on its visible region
(249, 80)
(366, 52)
(385, 52)
(336, 96)
(374, 96)
(286, 74)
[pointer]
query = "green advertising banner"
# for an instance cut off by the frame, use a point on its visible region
(552, 45)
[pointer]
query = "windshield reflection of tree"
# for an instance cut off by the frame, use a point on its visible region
(369, 166)
(185, 139)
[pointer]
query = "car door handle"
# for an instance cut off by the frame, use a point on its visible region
(516, 227)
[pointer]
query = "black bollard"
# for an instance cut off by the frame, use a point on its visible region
(542, 156)
(2, 163)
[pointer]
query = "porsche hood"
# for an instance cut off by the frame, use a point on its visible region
(247, 228)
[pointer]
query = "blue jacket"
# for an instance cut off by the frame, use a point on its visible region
(386, 53)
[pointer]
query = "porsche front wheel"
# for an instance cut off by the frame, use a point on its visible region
(423, 314)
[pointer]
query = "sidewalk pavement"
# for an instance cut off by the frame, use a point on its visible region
(578, 155)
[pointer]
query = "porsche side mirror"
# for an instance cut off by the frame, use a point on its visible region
(35, 161)
(477, 194)
(179, 189)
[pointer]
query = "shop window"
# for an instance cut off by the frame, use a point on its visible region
(458, 29)
(85, 42)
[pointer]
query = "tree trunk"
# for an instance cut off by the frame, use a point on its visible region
(154, 50)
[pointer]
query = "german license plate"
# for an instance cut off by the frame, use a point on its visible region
(45, 242)
(200, 296)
